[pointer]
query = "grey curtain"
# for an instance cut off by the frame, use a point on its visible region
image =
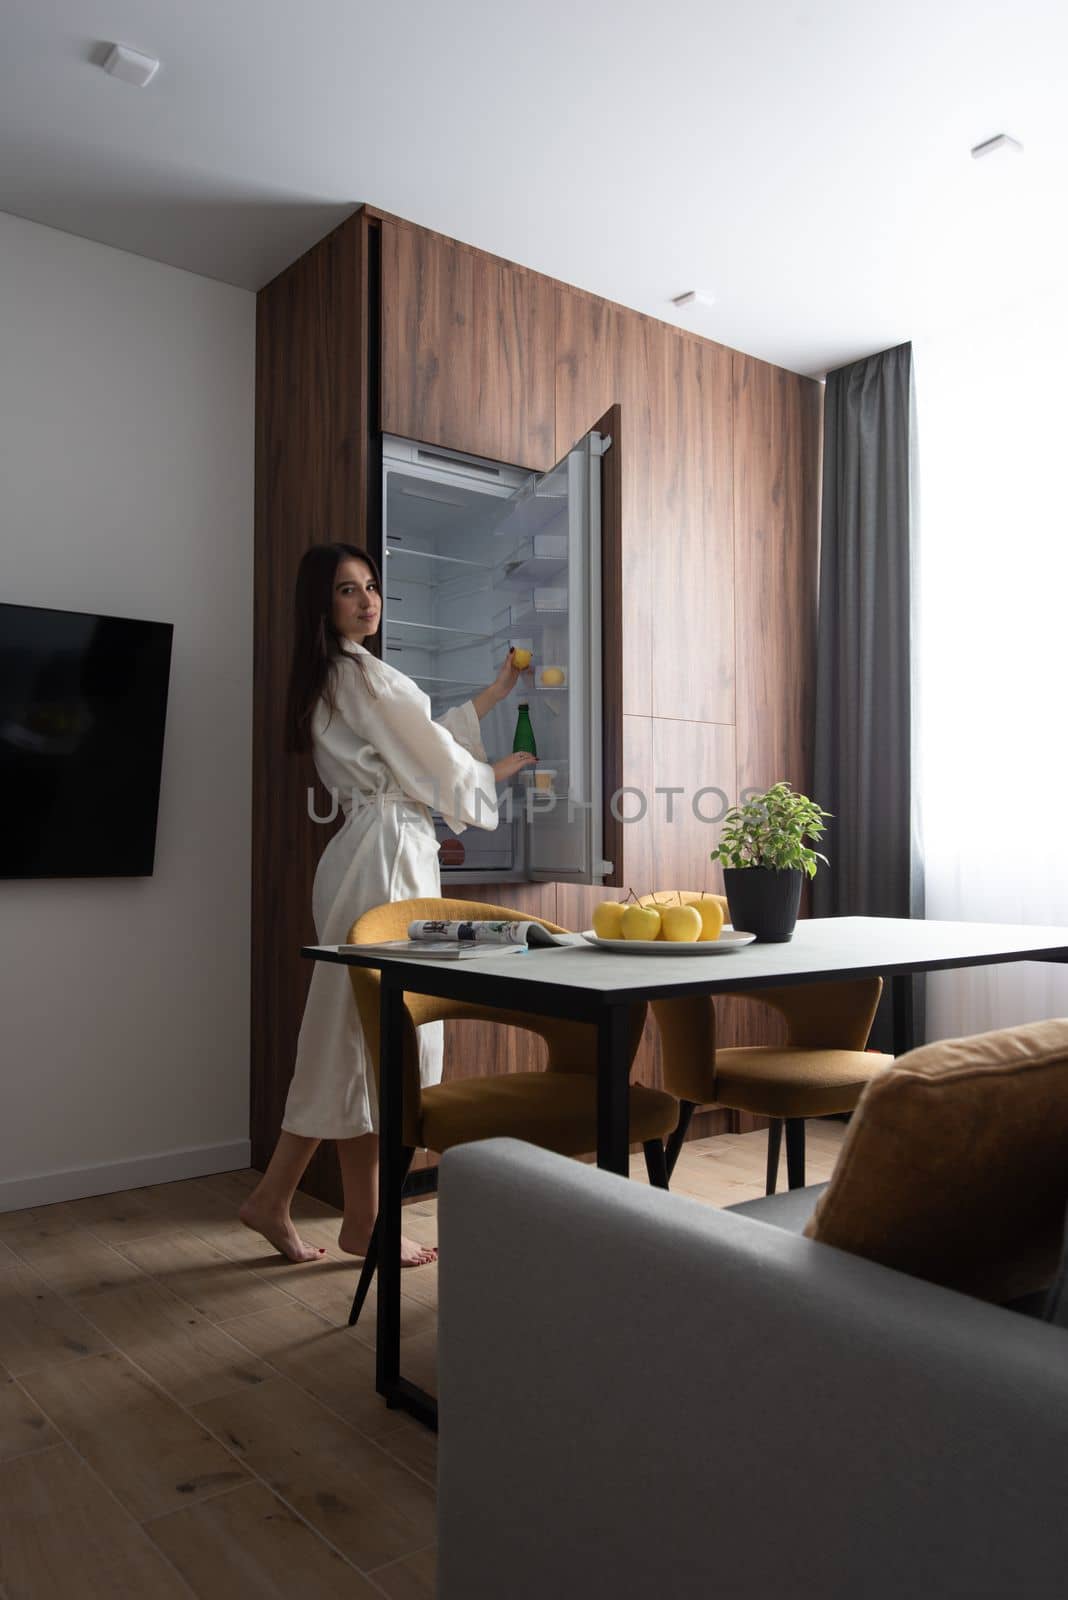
(864, 726)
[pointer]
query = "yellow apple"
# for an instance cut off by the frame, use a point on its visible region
(660, 904)
(521, 659)
(640, 922)
(608, 919)
(681, 924)
(711, 913)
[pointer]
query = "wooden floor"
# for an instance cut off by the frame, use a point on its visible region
(182, 1412)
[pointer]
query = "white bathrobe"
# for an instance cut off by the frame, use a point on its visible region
(389, 764)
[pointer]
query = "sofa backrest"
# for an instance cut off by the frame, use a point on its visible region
(641, 1395)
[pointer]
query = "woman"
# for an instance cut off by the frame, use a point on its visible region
(374, 744)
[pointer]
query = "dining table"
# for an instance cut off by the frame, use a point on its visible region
(597, 984)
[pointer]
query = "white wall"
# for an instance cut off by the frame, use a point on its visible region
(126, 487)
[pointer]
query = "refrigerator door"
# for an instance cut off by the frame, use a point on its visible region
(562, 821)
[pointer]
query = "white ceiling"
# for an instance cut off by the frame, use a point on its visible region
(806, 161)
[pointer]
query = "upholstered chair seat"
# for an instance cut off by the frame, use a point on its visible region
(785, 1081)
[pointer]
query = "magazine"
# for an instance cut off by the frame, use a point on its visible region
(460, 941)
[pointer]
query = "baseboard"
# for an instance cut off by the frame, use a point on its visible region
(78, 1183)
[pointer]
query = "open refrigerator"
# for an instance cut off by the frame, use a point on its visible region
(479, 556)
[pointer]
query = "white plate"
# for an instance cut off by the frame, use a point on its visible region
(727, 941)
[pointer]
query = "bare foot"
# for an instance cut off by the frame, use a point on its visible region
(278, 1230)
(354, 1242)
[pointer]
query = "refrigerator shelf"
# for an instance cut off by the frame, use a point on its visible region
(433, 635)
(393, 549)
(533, 511)
(534, 570)
(528, 613)
(456, 578)
(445, 686)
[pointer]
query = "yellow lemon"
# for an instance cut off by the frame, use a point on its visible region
(640, 922)
(608, 920)
(711, 913)
(521, 659)
(552, 677)
(681, 924)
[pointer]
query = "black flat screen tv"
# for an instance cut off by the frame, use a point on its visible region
(83, 704)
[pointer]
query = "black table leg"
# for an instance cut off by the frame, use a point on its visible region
(390, 1184)
(613, 1098)
(902, 1029)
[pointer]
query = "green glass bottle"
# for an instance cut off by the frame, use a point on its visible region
(524, 733)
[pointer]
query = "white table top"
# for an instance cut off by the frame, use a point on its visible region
(822, 949)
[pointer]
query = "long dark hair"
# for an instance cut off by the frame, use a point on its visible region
(317, 652)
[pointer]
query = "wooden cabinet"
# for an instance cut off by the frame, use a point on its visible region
(709, 593)
(313, 360)
(776, 510)
(674, 394)
(467, 349)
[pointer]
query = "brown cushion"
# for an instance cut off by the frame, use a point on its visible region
(556, 1110)
(955, 1166)
(780, 1081)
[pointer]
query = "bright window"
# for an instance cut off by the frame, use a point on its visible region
(992, 430)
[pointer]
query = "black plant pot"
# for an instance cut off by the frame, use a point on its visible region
(764, 900)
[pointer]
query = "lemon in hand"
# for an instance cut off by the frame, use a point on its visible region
(608, 920)
(521, 659)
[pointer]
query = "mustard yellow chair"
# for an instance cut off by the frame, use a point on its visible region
(556, 1108)
(822, 1069)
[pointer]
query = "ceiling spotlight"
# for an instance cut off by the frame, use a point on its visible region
(130, 65)
(1000, 141)
(693, 297)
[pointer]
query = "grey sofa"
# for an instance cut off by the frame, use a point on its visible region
(643, 1396)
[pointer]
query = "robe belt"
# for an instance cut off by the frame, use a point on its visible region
(371, 797)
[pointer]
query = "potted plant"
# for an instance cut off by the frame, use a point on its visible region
(764, 856)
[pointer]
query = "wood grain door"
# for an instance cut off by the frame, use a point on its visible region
(467, 349)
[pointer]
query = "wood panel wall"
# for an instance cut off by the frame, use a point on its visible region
(776, 522)
(312, 404)
(720, 539)
(717, 477)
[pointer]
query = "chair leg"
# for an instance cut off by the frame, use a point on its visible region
(370, 1264)
(656, 1164)
(774, 1151)
(370, 1260)
(675, 1141)
(795, 1152)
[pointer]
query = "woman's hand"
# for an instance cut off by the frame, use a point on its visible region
(502, 685)
(508, 766)
(509, 675)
